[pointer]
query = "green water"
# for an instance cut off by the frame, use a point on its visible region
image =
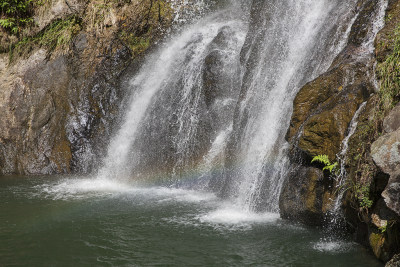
(67, 222)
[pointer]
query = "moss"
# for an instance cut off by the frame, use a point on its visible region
(362, 168)
(376, 241)
(389, 75)
(60, 33)
(56, 37)
(148, 27)
(136, 44)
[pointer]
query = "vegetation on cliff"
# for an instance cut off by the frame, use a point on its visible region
(58, 36)
(370, 126)
(27, 25)
(367, 181)
(15, 15)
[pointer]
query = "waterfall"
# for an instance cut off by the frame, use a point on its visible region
(288, 46)
(168, 125)
(210, 108)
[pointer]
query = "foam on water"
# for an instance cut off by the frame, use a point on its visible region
(69, 189)
(333, 246)
(229, 215)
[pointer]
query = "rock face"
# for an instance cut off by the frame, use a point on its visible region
(49, 110)
(386, 154)
(322, 113)
(32, 120)
(324, 107)
(59, 98)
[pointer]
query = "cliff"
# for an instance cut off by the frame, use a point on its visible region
(359, 89)
(61, 74)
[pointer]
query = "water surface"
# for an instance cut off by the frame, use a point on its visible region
(82, 222)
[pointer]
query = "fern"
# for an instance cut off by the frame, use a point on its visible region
(330, 167)
(324, 159)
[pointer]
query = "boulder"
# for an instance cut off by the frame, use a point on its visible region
(304, 196)
(391, 194)
(392, 120)
(386, 152)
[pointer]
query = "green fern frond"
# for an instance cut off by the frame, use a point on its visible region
(330, 167)
(324, 159)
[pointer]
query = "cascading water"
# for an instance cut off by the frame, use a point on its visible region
(171, 120)
(211, 108)
(284, 50)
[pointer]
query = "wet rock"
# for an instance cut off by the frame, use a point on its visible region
(304, 196)
(221, 77)
(310, 96)
(377, 243)
(324, 108)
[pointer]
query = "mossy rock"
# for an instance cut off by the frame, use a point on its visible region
(324, 108)
(384, 41)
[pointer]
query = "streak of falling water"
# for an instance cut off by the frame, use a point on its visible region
(342, 158)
